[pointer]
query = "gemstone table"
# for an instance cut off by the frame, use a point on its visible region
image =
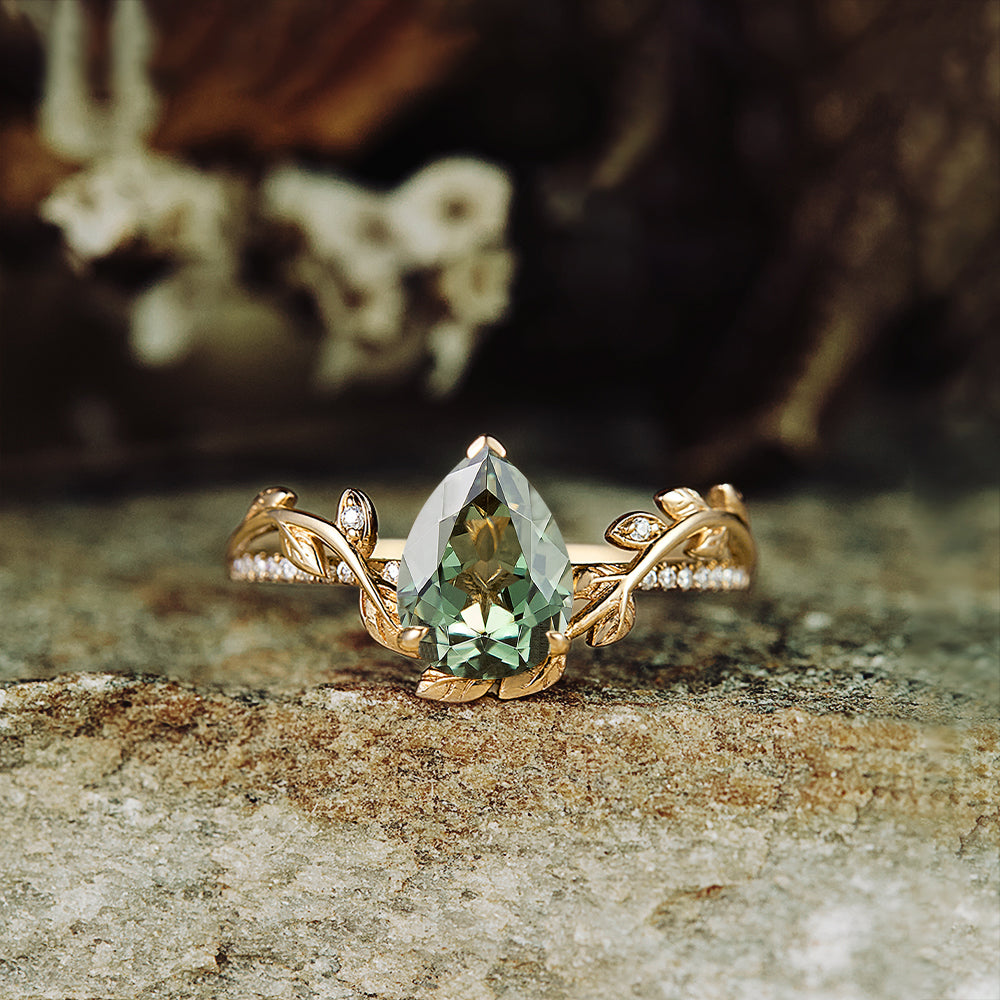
(224, 790)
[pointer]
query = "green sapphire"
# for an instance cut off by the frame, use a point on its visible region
(486, 571)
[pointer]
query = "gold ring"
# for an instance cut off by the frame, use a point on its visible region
(484, 591)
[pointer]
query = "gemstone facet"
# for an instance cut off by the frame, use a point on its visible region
(486, 571)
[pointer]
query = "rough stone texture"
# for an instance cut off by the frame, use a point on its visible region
(222, 790)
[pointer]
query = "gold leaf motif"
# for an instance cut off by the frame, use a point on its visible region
(616, 624)
(711, 543)
(436, 685)
(680, 503)
(535, 680)
(382, 623)
(270, 499)
(634, 530)
(303, 548)
(596, 581)
(727, 497)
(361, 531)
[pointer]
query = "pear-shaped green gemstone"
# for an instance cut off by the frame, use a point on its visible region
(486, 570)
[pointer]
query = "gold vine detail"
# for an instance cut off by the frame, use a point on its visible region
(711, 529)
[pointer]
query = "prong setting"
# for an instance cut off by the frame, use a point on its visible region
(409, 639)
(485, 441)
(558, 643)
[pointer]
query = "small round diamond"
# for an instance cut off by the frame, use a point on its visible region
(344, 573)
(391, 571)
(352, 517)
(727, 578)
(641, 529)
(701, 577)
(288, 570)
(684, 578)
(648, 582)
(667, 577)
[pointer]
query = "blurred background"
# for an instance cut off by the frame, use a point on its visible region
(655, 241)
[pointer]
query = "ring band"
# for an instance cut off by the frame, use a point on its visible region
(484, 590)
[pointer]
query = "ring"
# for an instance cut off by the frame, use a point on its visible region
(484, 591)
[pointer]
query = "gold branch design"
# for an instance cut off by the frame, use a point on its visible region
(701, 529)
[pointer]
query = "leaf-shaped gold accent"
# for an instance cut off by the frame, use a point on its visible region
(680, 503)
(596, 581)
(616, 624)
(727, 497)
(629, 531)
(383, 623)
(272, 497)
(361, 532)
(303, 548)
(534, 680)
(436, 685)
(710, 543)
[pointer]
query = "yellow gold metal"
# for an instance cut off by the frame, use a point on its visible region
(697, 544)
(558, 643)
(409, 639)
(485, 441)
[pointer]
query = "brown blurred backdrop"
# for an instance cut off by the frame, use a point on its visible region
(747, 239)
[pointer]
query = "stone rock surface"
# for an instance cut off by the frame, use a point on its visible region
(221, 790)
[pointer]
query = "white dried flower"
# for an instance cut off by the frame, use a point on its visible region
(93, 212)
(449, 209)
(451, 346)
(199, 310)
(343, 362)
(371, 312)
(477, 286)
(135, 101)
(341, 222)
(69, 119)
(176, 209)
(163, 324)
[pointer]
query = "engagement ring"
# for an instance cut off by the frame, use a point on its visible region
(484, 591)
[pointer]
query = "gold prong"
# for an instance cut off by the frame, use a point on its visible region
(409, 639)
(485, 441)
(558, 643)
(271, 498)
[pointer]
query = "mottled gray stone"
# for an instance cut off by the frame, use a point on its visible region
(782, 795)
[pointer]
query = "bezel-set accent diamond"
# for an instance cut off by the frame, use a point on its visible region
(352, 518)
(484, 591)
(641, 529)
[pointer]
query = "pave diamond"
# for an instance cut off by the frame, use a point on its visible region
(486, 571)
